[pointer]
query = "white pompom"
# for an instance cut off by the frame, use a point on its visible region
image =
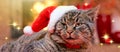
(28, 30)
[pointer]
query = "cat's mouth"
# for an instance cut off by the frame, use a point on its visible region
(73, 41)
(70, 38)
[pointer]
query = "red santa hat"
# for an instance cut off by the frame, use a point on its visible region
(48, 17)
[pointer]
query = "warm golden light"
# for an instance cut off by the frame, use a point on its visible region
(6, 38)
(14, 24)
(101, 44)
(111, 41)
(113, 21)
(31, 9)
(86, 4)
(18, 28)
(50, 2)
(45, 28)
(118, 46)
(38, 7)
(106, 36)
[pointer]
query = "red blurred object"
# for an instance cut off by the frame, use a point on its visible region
(72, 46)
(108, 40)
(43, 19)
(103, 26)
(78, 6)
(86, 6)
(116, 37)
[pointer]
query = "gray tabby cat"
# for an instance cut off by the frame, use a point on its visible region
(76, 27)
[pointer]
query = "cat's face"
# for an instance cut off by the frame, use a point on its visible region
(76, 26)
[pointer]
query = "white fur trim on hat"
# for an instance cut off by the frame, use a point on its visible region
(28, 30)
(57, 14)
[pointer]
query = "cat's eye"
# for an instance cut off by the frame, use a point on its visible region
(78, 24)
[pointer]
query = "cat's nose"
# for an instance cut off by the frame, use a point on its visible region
(69, 31)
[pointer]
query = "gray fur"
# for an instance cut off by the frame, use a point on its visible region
(44, 41)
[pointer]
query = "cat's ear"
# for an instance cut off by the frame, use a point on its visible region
(93, 12)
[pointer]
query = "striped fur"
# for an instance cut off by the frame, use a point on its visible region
(75, 27)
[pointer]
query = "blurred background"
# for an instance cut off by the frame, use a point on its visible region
(16, 14)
